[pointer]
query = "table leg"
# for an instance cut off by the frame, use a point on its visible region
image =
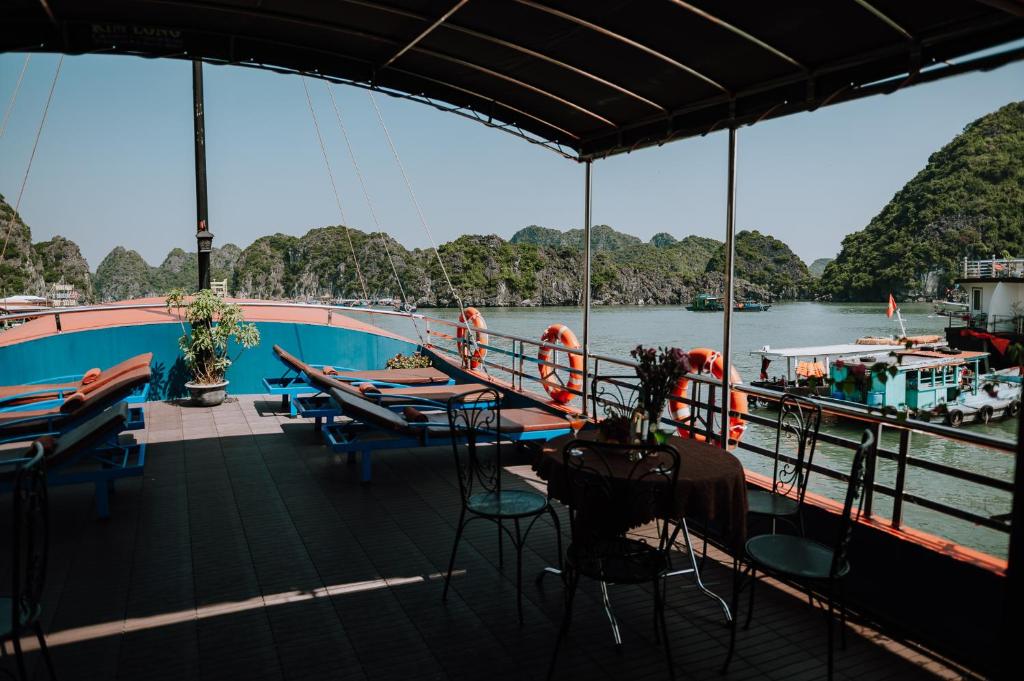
(695, 571)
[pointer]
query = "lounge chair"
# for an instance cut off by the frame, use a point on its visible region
(320, 407)
(58, 388)
(91, 452)
(52, 418)
(296, 379)
(374, 426)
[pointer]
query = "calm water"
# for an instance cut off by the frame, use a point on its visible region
(615, 330)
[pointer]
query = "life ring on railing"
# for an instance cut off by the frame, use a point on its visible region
(561, 335)
(472, 354)
(706, 361)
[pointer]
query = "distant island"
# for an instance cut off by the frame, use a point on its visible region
(967, 202)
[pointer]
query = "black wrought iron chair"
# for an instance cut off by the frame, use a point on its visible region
(795, 440)
(805, 561)
(20, 613)
(611, 488)
(475, 421)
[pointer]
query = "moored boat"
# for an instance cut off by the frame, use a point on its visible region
(705, 302)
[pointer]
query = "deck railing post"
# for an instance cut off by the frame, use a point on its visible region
(869, 472)
(901, 479)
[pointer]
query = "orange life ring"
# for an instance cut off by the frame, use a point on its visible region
(472, 354)
(562, 335)
(705, 361)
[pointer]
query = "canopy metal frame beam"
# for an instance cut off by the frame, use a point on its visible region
(608, 33)
(424, 33)
(885, 19)
(739, 32)
(494, 40)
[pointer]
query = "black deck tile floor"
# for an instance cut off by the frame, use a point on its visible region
(249, 551)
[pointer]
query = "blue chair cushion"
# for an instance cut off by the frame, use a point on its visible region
(509, 504)
(763, 502)
(792, 556)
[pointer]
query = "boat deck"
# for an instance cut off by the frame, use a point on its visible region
(248, 552)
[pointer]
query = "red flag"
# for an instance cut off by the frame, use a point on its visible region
(892, 307)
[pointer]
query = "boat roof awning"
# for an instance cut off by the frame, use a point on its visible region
(588, 78)
(827, 350)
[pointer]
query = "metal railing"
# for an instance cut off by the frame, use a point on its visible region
(993, 268)
(509, 356)
(704, 420)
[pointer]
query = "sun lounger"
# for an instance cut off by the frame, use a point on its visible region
(93, 452)
(295, 381)
(374, 427)
(56, 389)
(52, 418)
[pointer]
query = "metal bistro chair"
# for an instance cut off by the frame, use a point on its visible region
(475, 421)
(19, 614)
(797, 433)
(798, 559)
(611, 488)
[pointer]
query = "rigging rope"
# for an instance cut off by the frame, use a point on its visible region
(337, 198)
(14, 96)
(471, 336)
(369, 204)
(32, 156)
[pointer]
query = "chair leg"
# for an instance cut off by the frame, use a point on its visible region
(736, 577)
(519, 572)
(558, 533)
(501, 545)
(19, 656)
(45, 650)
(831, 634)
(659, 610)
(455, 548)
(572, 580)
(606, 599)
(842, 614)
(750, 606)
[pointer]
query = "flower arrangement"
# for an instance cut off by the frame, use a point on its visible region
(659, 370)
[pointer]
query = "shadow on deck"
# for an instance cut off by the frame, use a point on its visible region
(248, 552)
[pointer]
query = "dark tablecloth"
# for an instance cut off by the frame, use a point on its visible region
(711, 483)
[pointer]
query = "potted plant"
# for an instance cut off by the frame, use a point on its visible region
(213, 323)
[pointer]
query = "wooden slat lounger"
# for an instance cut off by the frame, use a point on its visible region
(61, 387)
(56, 419)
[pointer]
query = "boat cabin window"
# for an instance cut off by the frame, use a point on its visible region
(976, 299)
(912, 380)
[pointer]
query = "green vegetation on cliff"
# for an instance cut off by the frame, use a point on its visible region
(967, 202)
(764, 260)
(20, 268)
(62, 261)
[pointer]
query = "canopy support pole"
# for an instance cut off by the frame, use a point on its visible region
(586, 282)
(204, 239)
(730, 256)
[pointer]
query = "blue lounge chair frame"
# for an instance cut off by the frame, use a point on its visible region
(96, 441)
(139, 396)
(344, 438)
(294, 383)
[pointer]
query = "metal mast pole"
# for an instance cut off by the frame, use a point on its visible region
(586, 283)
(204, 238)
(730, 256)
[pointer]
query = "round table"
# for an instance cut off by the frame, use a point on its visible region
(711, 484)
